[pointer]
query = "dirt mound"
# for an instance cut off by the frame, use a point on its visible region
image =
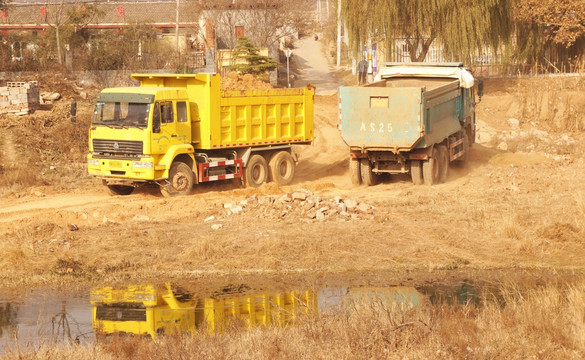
(243, 82)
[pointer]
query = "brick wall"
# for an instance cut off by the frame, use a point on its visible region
(19, 98)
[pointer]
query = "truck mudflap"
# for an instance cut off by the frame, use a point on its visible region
(204, 169)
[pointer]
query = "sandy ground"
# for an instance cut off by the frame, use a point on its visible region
(509, 212)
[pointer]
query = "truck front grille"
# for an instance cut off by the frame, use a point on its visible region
(117, 146)
(120, 314)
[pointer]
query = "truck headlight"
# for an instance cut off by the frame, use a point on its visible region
(142, 165)
(94, 162)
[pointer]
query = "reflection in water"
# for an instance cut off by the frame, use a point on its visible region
(7, 318)
(144, 310)
(45, 316)
(42, 316)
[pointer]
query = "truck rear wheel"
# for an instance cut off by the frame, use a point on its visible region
(180, 181)
(120, 189)
(282, 168)
(354, 171)
(368, 176)
(256, 173)
(416, 172)
(431, 168)
(443, 163)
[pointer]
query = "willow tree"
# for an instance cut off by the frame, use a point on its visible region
(549, 26)
(463, 27)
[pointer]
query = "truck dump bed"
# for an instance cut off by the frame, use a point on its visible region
(399, 113)
(227, 119)
(263, 117)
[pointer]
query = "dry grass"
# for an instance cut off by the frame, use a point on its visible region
(542, 323)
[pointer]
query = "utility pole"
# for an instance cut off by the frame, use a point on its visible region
(177, 29)
(288, 53)
(338, 33)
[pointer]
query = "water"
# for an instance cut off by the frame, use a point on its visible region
(40, 316)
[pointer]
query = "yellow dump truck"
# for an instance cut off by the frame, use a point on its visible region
(144, 310)
(177, 130)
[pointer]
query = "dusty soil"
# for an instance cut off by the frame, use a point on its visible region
(517, 208)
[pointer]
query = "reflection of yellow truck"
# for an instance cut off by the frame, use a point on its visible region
(177, 130)
(144, 310)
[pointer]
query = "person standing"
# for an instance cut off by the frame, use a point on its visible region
(362, 70)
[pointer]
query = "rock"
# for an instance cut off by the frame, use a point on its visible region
(244, 203)
(337, 199)
(319, 215)
(285, 198)
(236, 209)
(364, 207)
(208, 219)
(216, 226)
(343, 208)
(265, 200)
(228, 205)
(350, 204)
(48, 96)
(297, 195)
(72, 227)
(323, 209)
(83, 95)
(513, 122)
(141, 218)
(503, 146)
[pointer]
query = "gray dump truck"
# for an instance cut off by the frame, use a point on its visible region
(414, 118)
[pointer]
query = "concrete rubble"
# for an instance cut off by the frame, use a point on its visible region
(301, 204)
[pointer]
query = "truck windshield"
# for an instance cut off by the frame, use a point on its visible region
(121, 114)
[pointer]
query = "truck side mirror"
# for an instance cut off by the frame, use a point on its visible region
(73, 111)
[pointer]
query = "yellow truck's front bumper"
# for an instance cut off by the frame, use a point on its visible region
(143, 169)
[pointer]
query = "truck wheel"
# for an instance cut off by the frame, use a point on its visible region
(443, 163)
(180, 181)
(256, 173)
(354, 171)
(431, 168)
(463, 159)
(120, 189)
(282, 168)
(416, 172)
(369, 178)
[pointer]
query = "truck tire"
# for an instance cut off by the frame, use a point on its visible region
(462, 160)
(282, 168)
(431, 168)
(354, 171)
(416, 172)
(443, 163)
(368, 176)
(180, 181)
(256, 173)
(120, 189)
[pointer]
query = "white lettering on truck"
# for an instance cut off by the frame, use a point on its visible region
(382, 127)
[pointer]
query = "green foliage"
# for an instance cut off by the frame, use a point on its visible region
(462, 26)
(248, 59)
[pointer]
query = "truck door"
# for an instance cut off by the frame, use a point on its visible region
(183, 123)
(164, 130)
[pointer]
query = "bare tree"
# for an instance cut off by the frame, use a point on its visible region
(76, 16)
